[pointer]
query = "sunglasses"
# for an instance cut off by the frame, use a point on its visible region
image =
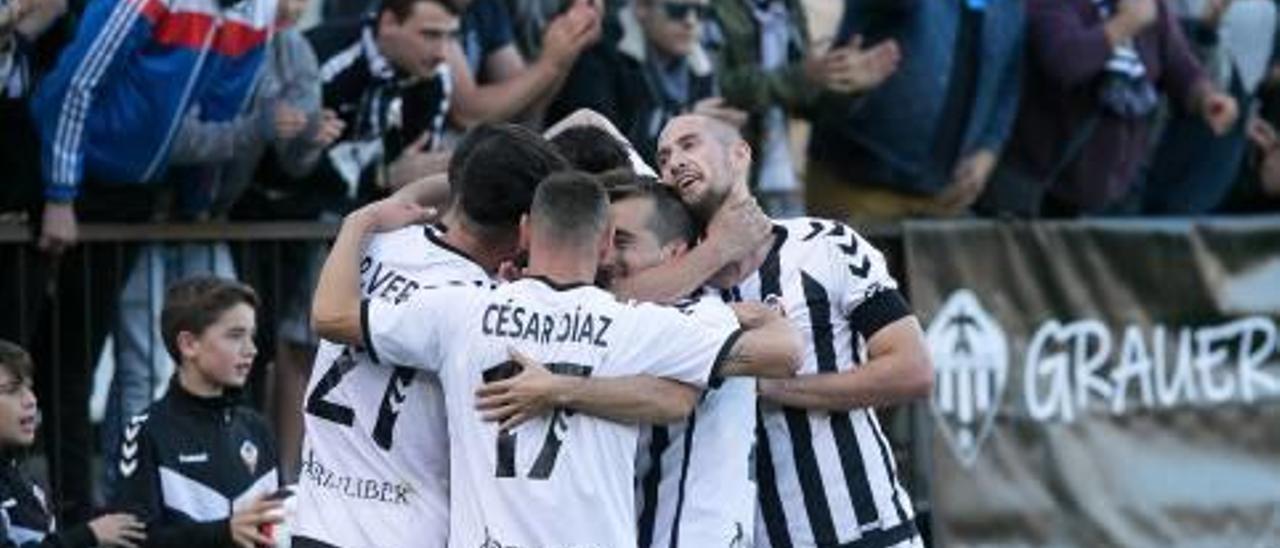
(680, 11)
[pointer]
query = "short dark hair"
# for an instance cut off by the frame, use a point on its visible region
(592, 149)
(402, 9)
(466, 148)
(194, 304)
(495, 180)
(670, 219)
(571, 206)
(16, 361)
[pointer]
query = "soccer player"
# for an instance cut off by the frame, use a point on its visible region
(375, 456)
(375, 467)
(695, 487)
(824, 471)
(571, 463)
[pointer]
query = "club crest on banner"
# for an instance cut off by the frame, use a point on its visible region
(971, 362)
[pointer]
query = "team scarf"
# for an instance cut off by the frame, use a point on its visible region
(1126, 91)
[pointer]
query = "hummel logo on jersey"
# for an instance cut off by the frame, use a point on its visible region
(193, 459)
(398, 391)
(971, 357)
(129, 448)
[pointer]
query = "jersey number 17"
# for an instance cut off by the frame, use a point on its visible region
(557, 425)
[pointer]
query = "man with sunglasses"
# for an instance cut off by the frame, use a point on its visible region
(656, 69)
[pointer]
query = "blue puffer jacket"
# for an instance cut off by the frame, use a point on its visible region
(119, 91)
(890, 132)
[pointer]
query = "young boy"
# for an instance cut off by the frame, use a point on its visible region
(198, 467)
(25, 517)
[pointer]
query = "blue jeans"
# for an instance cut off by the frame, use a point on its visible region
(1192, 170)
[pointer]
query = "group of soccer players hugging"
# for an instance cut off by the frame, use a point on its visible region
(575, 351)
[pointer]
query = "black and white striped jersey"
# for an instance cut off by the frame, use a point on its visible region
(827, 479)
(694, 485)
(375, 459)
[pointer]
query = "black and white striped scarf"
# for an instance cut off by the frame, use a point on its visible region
(1126, 92)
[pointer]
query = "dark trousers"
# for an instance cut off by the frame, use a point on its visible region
(76, 304)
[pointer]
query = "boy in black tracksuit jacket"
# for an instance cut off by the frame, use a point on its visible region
(26, 519)
(196, 466)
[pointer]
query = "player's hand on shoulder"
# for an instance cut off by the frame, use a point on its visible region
(391, 213)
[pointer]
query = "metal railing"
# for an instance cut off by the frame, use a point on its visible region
(109, 257)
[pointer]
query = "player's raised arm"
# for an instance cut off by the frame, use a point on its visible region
(335, 308)
(737, 230)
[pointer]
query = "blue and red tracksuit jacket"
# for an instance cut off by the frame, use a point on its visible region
(112, 104)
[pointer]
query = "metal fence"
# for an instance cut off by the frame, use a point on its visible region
(91, 319)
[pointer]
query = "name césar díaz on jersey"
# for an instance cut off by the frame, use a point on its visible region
(517, 322)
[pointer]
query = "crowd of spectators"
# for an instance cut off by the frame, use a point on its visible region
(192, 110)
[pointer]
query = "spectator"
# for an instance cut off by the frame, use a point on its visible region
(766, 69)
(191, 454)
(285, 124)
(529, 19)
(26, 520)
(1263, 135)
(926, 141)
(105, 117)
(494, 82)
(21, 23)
(657, 69)
(214, 163)
(1193, 170)
(386, 77)
(1258, 189)
(1085, 118)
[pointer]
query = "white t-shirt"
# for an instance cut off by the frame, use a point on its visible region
(694, 484)
(375, 468)
(564, 480)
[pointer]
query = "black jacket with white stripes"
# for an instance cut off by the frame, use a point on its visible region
(188, 462)
(26, 520)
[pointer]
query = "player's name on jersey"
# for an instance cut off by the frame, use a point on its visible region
(354, 487)
(517, 322)
(380, 281)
